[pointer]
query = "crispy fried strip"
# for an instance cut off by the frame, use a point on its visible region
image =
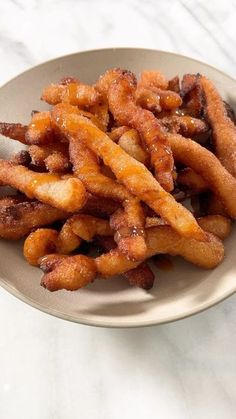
(67, 195)
(87, 169)
(133, 174)
(192, 180)
(174, 84)
(154, 79)
(206, 164)
(131, 143)
(44, 241)
(117, 133)
(126, 112)
(216, 224)
(141, 276)
(22, 158)
(18, 218)
(14, 131)
(223, 129)
(185, 125)
(55, 158)
(78, 94)
(67, 274)
(156, 99)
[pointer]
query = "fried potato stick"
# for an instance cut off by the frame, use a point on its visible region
(77, 94)
(131, 143)
(192, 180)
(185, 125)
(54, 158)
(14, 131)
(87, 169)
(67, 195)
(141, 276)
(206, 164)
(44, 241)
(121, 97)
(133, 174)
(223, 129)
(18, 218)
(74, 272)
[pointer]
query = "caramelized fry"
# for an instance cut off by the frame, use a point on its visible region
(18, 218)
(126, 112)
(14, 131)
(44, 241)
(128, 171)
(184, 125)
(131, 143)
(159, 239)
(67, 195)
(206, 164)
(223, 129)
(154, 79)
(78, 94)
(192, 180)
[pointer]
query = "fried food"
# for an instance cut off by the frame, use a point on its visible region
(19, 217)
(75, 93)
(134, 175)
(121, 98)
(131, 143)
(184, 125)
(159, 240)
(206, 164)
(141, 276)
(105, 170)
(44, 241)
(223, 129)
(192, 180)
(87, 169)
(65, 194)
(53, 158)
(14, 131)
(218, 225)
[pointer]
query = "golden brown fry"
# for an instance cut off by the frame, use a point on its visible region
(67, 195)
(141, 276)
(216, 224)
(40, 130)
(117, 132)
(78, 94)
(77, 228)
(70, 273)
(131, 143)
(129, 227)
(192, 94)
(154, 79)
(185, 125)
(223, 129)
(133, 174)
(101, 208)
(126, 112)
(54, 158)
(87, 169)
(159, 240)
(206, 164)
(14, 131)
(18, 218)
(148, 99)
(192, 180)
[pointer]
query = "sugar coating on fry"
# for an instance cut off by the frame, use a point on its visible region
(14, 131)
(68, 195)
(131, 143)
(77, 94)
(206, 164)
(126, 112)
(185, 125)
(130, 172)
(224, 130)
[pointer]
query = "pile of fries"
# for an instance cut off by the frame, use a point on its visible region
(114, 167)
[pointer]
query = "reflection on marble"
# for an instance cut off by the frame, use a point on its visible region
(53, 369)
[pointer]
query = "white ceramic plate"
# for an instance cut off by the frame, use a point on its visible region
(178, 293)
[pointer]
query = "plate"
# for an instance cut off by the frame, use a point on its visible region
(180, 292)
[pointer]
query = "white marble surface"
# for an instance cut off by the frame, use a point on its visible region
(50, 368)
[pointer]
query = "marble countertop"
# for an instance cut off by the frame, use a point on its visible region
(50, 368)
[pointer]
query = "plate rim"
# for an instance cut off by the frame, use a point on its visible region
(104, 323)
